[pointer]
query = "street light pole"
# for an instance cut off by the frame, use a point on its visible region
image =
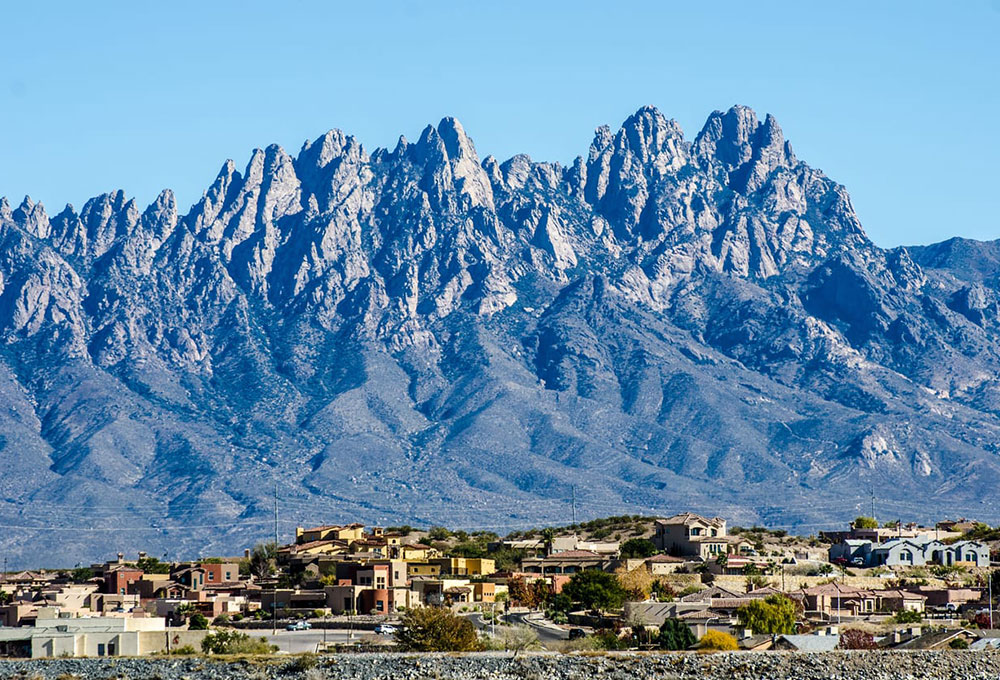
(989, 596)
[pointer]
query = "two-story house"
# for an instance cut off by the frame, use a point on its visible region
(688, 534)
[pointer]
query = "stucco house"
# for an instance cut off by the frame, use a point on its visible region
(688, 534)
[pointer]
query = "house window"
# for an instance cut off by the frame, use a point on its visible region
(906, 556)
(971, 557)
(100, 649)
(211, 576)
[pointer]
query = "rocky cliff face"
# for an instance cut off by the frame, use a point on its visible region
(417, 335)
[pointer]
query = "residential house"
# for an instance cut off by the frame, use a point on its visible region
(910, 552)
(896, 599)
(826, 640)
(348, 533)
(418, 552)
(561, 544)
(56, 636)
(688, 534)
(569, 562)
(835, 600)
(122, 580)
(465, 566)
(915, 639)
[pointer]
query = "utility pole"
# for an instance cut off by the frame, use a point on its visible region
(873, 500)
(574, 504)
(275, 516)
(274, 588)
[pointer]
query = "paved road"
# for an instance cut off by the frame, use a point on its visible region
(299, 641)
(545, 633)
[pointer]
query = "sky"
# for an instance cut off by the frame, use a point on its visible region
(898, 101)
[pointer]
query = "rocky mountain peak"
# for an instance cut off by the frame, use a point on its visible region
(664, 324)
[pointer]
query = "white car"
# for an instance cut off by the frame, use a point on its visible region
(385, 629)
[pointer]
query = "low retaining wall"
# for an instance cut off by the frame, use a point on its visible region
(676, 666)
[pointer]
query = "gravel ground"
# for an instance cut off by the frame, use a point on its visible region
(951, 665)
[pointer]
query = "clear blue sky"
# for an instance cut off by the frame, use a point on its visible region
(899, 101)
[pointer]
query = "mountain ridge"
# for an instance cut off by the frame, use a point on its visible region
(418, 335)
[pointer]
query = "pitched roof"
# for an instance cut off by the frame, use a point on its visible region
(837, 590)
(812, 643)
(929, 640)
(710, 593)
(686, 518)
(656, 559)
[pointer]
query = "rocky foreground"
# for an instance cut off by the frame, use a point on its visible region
(737, 666)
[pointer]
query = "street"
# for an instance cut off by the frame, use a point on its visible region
(300, 641)
(545, 633)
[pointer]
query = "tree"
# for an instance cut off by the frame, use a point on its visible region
(595, 589)
(718, 641)
(959, 643)
(198, 622)
(908, 616)
(637, 547)
(854, 638)
(530, 595)
(438, 534)
(676, 635)
(235, 642)
(184, 611)
(262, 560)
(638, 583)
(151, 565)
(433, 629)
(561, 603)
(82, 574)
(754, 577)
(774, 615)
(664, 592)
(981, 620)
(865, 523)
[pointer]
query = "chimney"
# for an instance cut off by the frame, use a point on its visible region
(246, 553)
(142, 554)
(121, 557)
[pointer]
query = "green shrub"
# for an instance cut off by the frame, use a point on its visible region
(432, 629)
(302, 663)
(186, 650)
(235, 642)
(908, 616)
(676, 635)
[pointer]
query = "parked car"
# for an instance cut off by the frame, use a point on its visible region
(298, 625)
(385, 629)
(577, 633)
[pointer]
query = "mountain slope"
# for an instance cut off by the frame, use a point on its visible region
(415, 335)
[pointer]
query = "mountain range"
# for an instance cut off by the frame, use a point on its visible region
(421, 336)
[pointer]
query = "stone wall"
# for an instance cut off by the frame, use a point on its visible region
(674, 666)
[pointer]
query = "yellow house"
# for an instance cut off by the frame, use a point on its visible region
(423, 569)
(417, 552)
(351, 532)
(466, 566)
(331, 547)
